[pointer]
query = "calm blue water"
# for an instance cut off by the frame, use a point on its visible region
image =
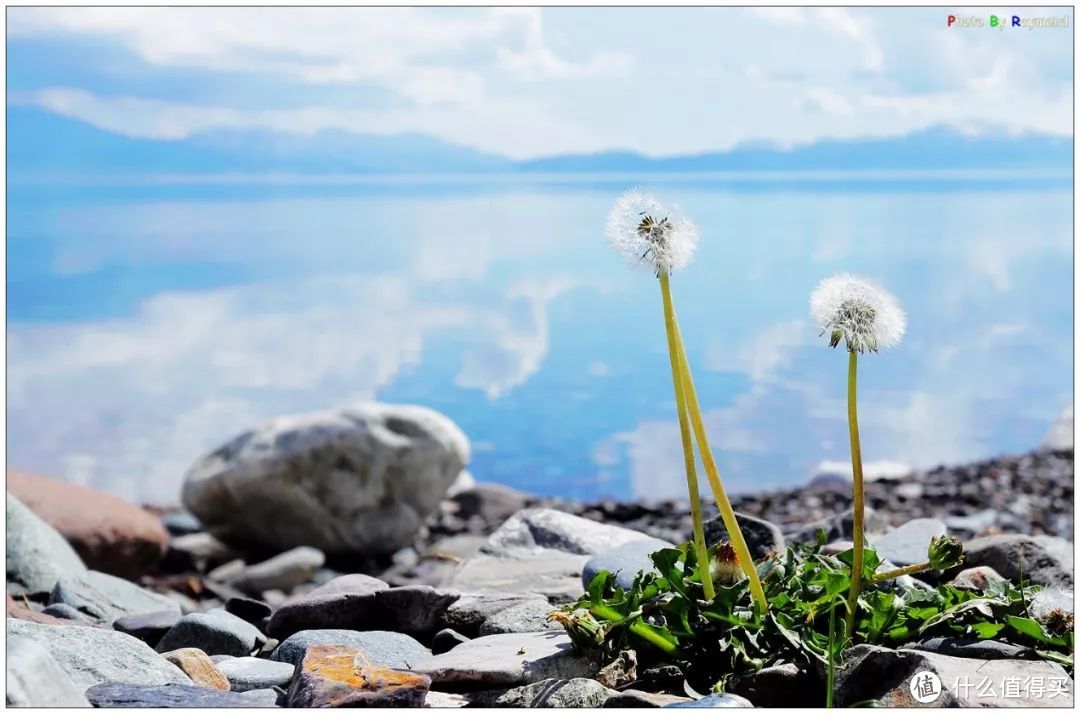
(149, 322)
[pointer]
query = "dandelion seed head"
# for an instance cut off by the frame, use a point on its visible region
(650, 234)
(858, 312)
(1047, 600)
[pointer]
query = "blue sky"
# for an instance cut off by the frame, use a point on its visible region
(528, 82)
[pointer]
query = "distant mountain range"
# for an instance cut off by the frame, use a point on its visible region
(43, 143)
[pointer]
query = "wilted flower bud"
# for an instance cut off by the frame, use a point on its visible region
(724, 566)
(945, 552)
(648, 233)
(585, 632)
(857, 312)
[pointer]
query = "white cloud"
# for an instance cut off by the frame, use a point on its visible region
(763, 355)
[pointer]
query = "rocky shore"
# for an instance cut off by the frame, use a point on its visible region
(308, 569)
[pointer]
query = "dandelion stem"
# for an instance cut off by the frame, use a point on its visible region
(898, 572)
(727, 513)
(639, 628)
(687, 445)
(857, 506)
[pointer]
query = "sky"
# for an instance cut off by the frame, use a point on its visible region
(528, 82)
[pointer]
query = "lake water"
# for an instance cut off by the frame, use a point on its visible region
(149, 321)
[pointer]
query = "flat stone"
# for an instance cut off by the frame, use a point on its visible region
(386, 649)
(107, 597)
(214, 632)
(509, 660)
(624, 561)
(1015, 555)
(198, 666)
(353, 583)
(556, 530)
(638, 699)
(446, 700)
(37, 556)
(762, 537)
(973, 648)
(67, 612)
(413, 609)
(782, 685)
(872, 672)
(247, 673)
(472, 609)
(179, 523)
(199, 551)
(446, 640)
(91, 655)
(36, 679)
(282, 572)
(715, 701)
(109, 534)
(248, 610)
(123, 695)
(909, 543)
(556, 694)
(977, 578)
(340, 676)
(149, 627)
(526, 617)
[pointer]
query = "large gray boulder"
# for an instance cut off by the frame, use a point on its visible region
(36, 679)
(359, 480)
(37, 555)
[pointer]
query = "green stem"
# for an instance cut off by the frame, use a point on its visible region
(723, 504)
(640, 629)
(906, 570)
(857, 506)
(687, 445)
(831, 674)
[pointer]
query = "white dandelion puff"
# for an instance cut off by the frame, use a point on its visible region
(863, 315)
(649, 233)
(1047, 600)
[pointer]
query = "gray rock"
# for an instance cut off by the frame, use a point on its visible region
(282, 572)
(214, 632)
(37, 556)
(248, 610)
(446, 640)
(107, 597)
(180, 523)
(1013, 555)
(1059, 437)
(67, 612)
(91, 655)
(509, 660)
(123, 695)
(761, 536)
(540, 551)
(837, 527)
(908, 544)
(555, 694)
(872, 672)
(973, 648)
(36, 679)
(247, 673)
(358, 480)
(388, 649)
(526, 617)
(977, 578)
(638, 699)
(354, 583)
(149, 627)
(782, 685)
(715, 701)
(625, 561)
(491, 503)
(414, 609)
(972, 525)
(200, 551)
(472, 609)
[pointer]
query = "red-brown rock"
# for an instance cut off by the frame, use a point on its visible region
(111, 535)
